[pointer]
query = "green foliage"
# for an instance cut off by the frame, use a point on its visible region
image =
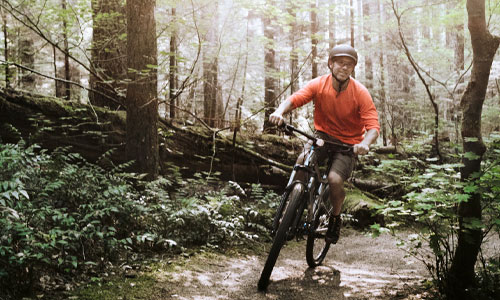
(214, 217)
(488, 278)
(59, 214)
(431, 204)
(62, 216)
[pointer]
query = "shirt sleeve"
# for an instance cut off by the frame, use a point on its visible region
(305, 94)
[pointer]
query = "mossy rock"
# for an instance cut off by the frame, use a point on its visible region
(362, 207)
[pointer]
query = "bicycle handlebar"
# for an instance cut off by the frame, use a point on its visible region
(289, 129)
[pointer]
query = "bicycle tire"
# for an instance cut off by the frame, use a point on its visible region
(294, 198)
(280, 210)
(317, 247)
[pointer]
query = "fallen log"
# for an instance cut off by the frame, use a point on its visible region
(93, 131)
(381, 189)
(386, 150)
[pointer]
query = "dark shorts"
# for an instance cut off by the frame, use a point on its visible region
(342, 163)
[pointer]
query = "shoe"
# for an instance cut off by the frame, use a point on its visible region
(333, 232)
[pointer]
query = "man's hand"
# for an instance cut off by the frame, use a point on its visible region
(361, 149)
(276, 118)
(364, 147)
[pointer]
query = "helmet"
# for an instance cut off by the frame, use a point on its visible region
(343, 50)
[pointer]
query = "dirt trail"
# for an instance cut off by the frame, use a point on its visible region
(358, 267)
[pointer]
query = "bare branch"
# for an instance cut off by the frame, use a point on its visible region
(28, 22)
(59, 79)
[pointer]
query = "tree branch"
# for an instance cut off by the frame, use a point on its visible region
(59, 79)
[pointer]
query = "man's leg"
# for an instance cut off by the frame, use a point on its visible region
(340, 171)
(337, 196)
(337, 192)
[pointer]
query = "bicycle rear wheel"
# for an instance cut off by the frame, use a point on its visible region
(294, 199)
(317, 247)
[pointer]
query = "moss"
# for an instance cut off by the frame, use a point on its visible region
(141, 287)
(356, 200)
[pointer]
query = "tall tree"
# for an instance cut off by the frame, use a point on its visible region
(211, 64)
(172, 71)
(314, 38)
(367, 40)
(484, 47)
(26, 48)
(383, 104)
(351, 25)
(351, 21)
(331, 24)
(142, 98)
(67, 75)
(269, 70)
(5, 32)
(294, 59)
(108, 53)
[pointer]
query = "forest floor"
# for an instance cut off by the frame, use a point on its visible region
(358, 267)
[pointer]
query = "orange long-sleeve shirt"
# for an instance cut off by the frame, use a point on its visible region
(345, 115)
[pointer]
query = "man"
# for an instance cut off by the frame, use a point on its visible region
(344, 111)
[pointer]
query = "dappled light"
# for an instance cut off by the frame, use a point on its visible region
(359, 267)
(218, 149)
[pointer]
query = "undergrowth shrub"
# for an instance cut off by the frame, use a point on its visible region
(431, 204)
(61, 216)
(219, 215)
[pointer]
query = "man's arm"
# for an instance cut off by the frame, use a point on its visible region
(285, 107)
(364, 147)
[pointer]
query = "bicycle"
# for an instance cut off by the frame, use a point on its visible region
(312, 193)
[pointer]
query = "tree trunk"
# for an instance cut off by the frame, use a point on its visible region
(331, 24)
(314, 39)
(269, 70)
(484, 47)
(142, 99)
(210, 74)
(459, 48)
(108, 53)
(239, 103)
(67, 75)
(383, 104)
(294, 61)
(6, 47)
(367, 39)
(211, 65)
(27, 58)
(351, 22)
(57, 85)
(172, 71)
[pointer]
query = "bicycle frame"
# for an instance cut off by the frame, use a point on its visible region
(312, 179)
(298, 194)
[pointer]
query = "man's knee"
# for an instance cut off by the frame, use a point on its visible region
(335, 179)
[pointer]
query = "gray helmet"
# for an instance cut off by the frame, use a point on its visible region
(343, 50)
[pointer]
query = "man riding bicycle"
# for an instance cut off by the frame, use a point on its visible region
(344, 111)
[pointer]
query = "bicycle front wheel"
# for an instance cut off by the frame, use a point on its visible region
(293, 203)
(317, 247)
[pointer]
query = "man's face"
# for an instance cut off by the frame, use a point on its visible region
(342, 67)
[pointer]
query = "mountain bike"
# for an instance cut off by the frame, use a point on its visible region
(311, 194)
